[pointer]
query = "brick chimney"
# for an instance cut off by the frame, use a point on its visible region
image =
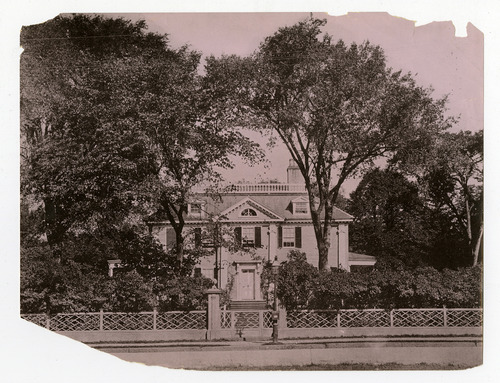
(293, 175)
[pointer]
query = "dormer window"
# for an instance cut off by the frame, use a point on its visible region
(196, 209)
(300, 206)
(249, 213)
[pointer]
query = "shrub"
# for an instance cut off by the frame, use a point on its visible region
(391, 286)
(296, 280)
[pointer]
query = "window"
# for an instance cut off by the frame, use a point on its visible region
(195, 209)
(197, 237)
(300, 208)
(249, 213)
(288, 237)
(248, 236)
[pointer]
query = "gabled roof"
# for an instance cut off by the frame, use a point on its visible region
(278, 205)
(250, 202)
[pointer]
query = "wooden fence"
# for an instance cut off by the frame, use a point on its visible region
(241, 320)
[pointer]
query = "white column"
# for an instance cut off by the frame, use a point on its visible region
(344, 246)
(272, 241)
(224, 265)
(257, 292)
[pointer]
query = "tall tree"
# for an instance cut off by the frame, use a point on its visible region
(82, 153)
(453, 178)
(390, 218)
(337, 108)
(188, 133)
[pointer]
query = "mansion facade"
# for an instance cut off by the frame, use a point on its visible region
(267, 221)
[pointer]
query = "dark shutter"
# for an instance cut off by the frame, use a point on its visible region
(298, 237)
(197, 272)
(197, 237)
(171, 241)
(258, 240)
(237, 235)
(280, 236)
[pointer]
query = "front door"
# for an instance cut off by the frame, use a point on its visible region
(247, 284)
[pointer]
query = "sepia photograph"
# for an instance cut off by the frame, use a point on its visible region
(254, 191)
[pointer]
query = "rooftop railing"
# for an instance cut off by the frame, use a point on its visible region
(256, 188)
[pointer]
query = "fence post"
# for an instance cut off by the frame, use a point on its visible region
(213, 314)
(233, 320)
(154, 318)
(101, 319)
(338, 318)
(391, 316)
(47, 321)
(445, 317)
(282, 318)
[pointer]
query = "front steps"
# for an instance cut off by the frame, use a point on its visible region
(247, 305)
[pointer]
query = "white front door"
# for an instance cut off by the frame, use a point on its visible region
(247, 284)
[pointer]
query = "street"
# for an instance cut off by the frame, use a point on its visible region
(463, 352)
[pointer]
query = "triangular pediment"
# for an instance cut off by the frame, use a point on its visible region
(300, 199)
(247, 210)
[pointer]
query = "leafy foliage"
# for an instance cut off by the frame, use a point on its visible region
(303, 286)
(454, 182)
(295, 280)
(48, 285)
(391, 218)
(173, 285)
(84, 157)
(337, 108)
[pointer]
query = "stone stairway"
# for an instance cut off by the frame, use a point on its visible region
(247, 305)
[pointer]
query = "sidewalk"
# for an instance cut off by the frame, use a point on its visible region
(461, 352)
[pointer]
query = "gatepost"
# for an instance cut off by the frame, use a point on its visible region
(213, 312)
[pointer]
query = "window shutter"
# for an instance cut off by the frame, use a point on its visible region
(171, 241)
(197, 237)
(298, 237)
(237, 235)
(280, 236)
(258, 240)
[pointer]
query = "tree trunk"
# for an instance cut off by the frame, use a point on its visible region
(322, 241)
(322, 235)
(323, 255)
(477, 246)
(179, 240)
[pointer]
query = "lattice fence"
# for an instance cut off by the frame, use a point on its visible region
(240, 320)
(418, 318)
(39, 319)
(246, 319)
(365, 318)
(382, 318)
(311, 319)
(464, 318)
(128, 321)
(268, 319)
(75, 322)
(179, 320)
(225, 319)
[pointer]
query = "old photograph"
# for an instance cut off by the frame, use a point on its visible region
(254, 191)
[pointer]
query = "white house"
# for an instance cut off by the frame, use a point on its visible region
(268, 220)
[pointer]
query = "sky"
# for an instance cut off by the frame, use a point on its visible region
(451, 65)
